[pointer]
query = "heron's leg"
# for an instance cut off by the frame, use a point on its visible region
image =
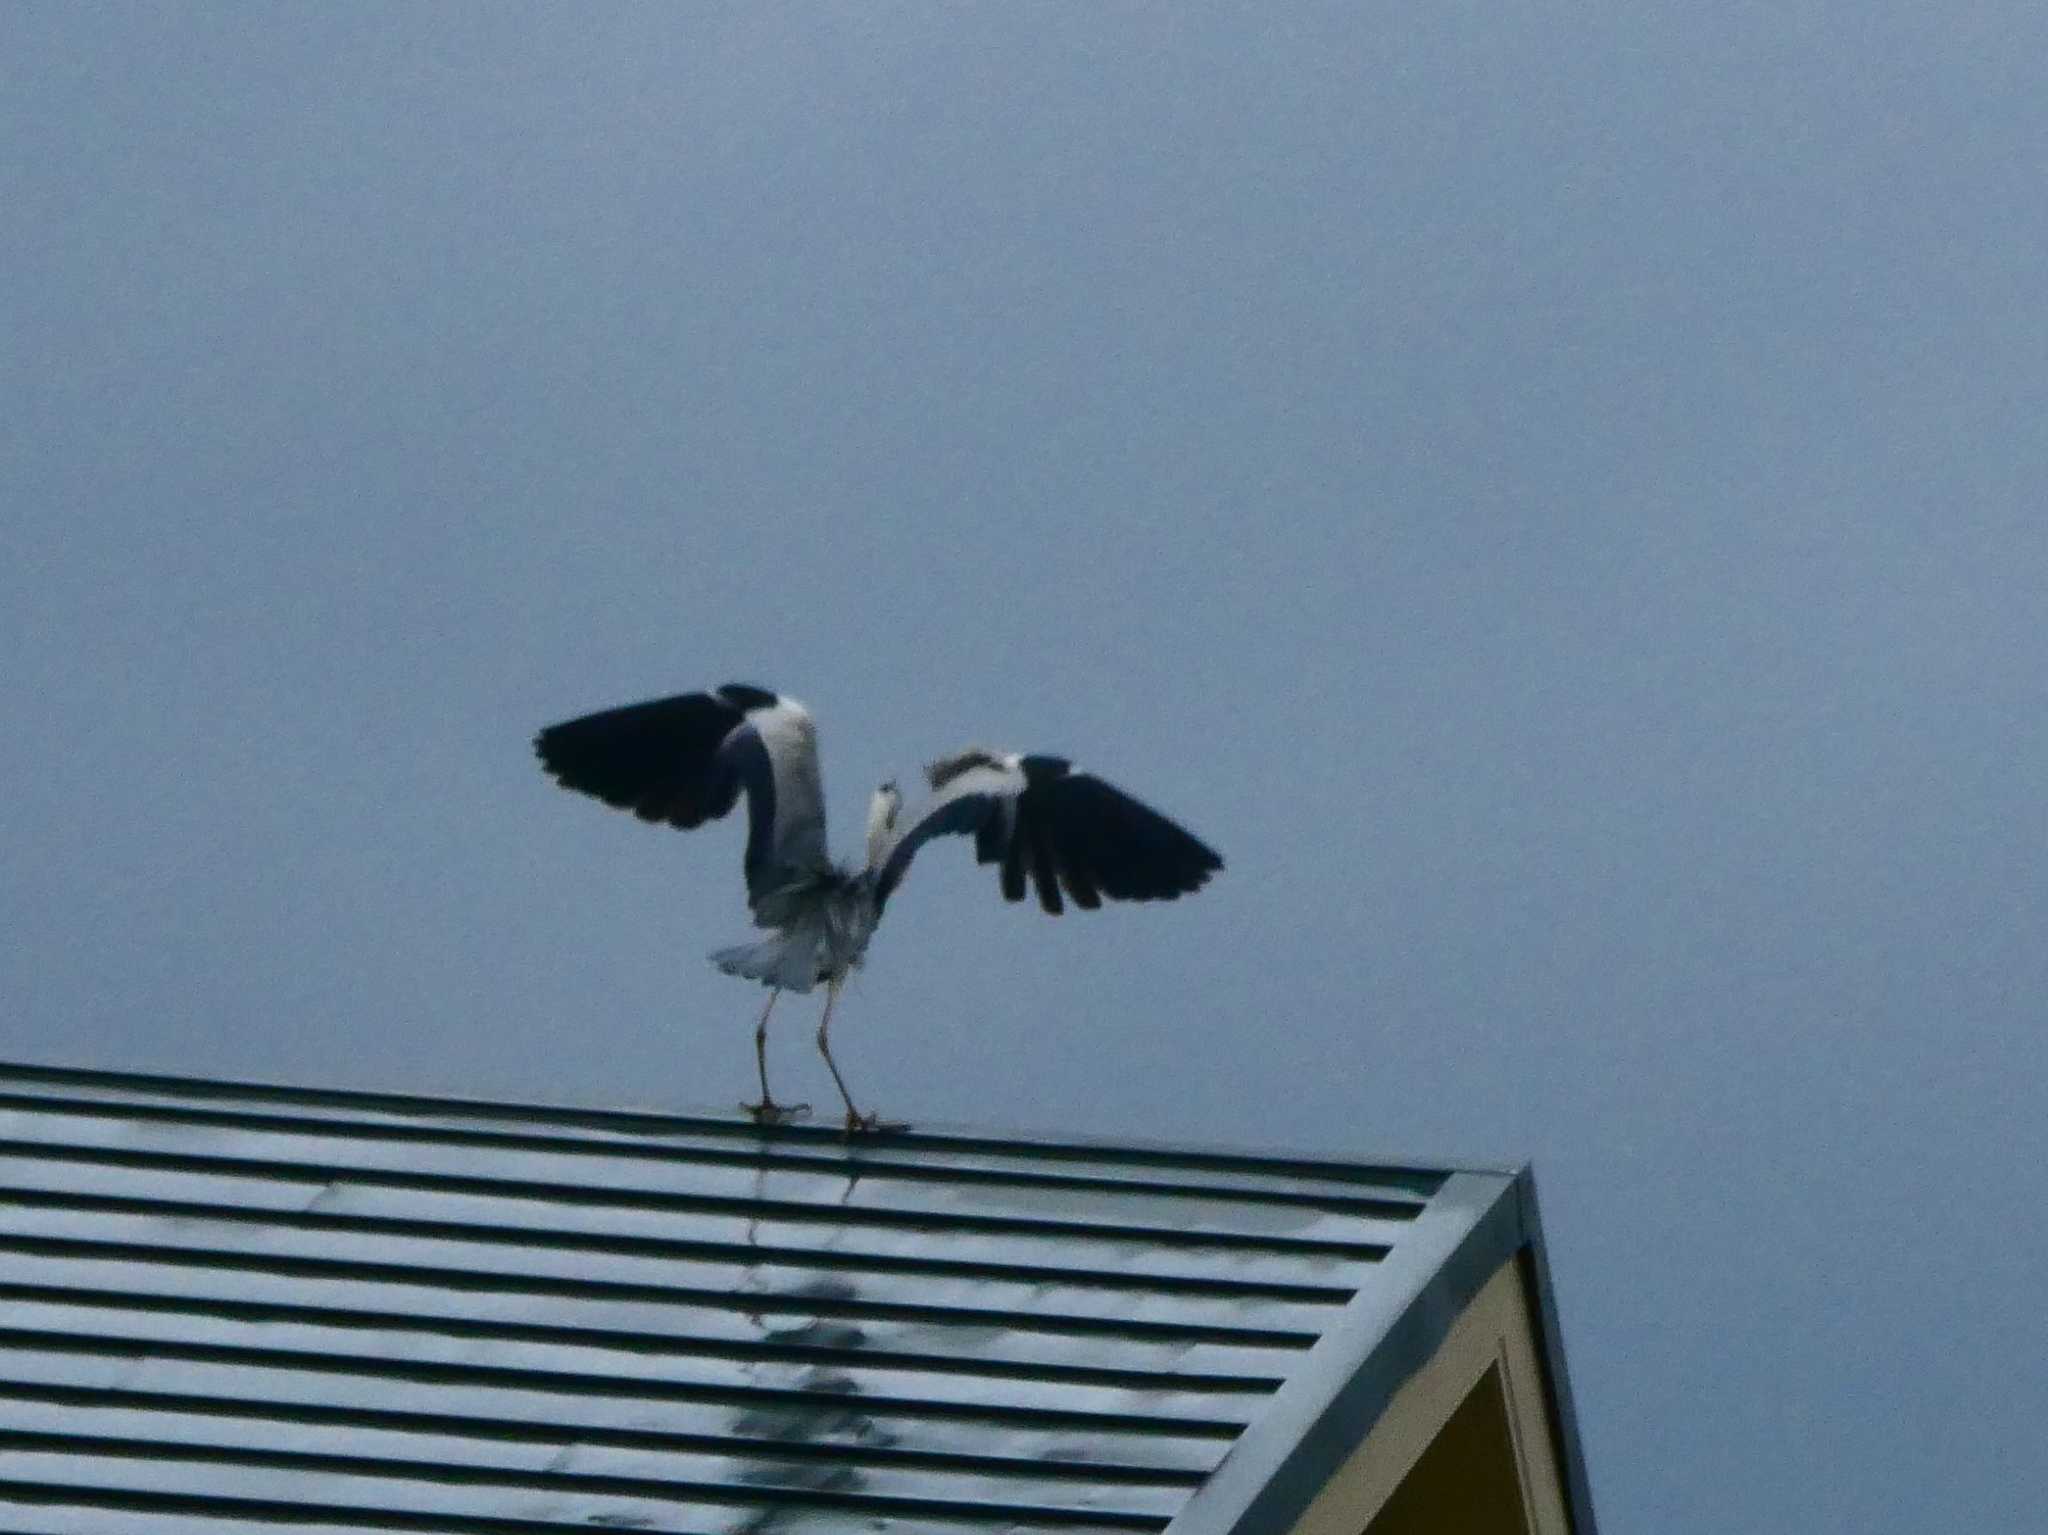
(825, 1049)
(761, 1045)
(855, 1120)
(768, 1111)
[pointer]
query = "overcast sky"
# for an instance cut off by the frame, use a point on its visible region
(1554, 494)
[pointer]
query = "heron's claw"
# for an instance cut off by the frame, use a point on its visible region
(871, 1124)
(768, 1112)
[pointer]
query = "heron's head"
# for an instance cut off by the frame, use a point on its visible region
(882, 812)
(887, 804)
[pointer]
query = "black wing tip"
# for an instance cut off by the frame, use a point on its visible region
(1180, 882)
(547, 746)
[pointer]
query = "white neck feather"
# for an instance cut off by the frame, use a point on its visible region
(882, 810)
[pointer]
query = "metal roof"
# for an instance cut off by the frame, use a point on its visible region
(223, 1306)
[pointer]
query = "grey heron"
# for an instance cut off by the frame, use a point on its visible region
(685, 760)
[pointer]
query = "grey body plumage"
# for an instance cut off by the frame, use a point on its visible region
(686, 760)
(821, 926)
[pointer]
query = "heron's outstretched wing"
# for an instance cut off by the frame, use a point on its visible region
(1055, 828)
(684, 760)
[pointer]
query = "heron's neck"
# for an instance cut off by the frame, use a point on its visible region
(881, 825)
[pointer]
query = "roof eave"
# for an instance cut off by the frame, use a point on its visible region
(1476, 1223)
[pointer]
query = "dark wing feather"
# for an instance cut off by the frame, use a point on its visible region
(1045, 871)
(1080, 883)
(992, 838)
(659, 759)
(1122, 847)
(1013, 866)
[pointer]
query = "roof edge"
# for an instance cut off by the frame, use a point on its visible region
(1389, 1331)
(942, 1136)
(1564, 1418)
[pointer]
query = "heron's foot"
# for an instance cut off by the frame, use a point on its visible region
(768, 1112)
(871, 1124)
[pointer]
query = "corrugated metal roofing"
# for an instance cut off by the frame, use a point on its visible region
(226, 1306)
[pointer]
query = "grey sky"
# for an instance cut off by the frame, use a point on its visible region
(1552, 493)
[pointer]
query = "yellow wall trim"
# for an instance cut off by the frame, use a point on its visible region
(1494, 1332)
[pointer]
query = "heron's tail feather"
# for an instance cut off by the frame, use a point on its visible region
(788, 960)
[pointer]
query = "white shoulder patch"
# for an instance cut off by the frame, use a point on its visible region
(943, 771)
